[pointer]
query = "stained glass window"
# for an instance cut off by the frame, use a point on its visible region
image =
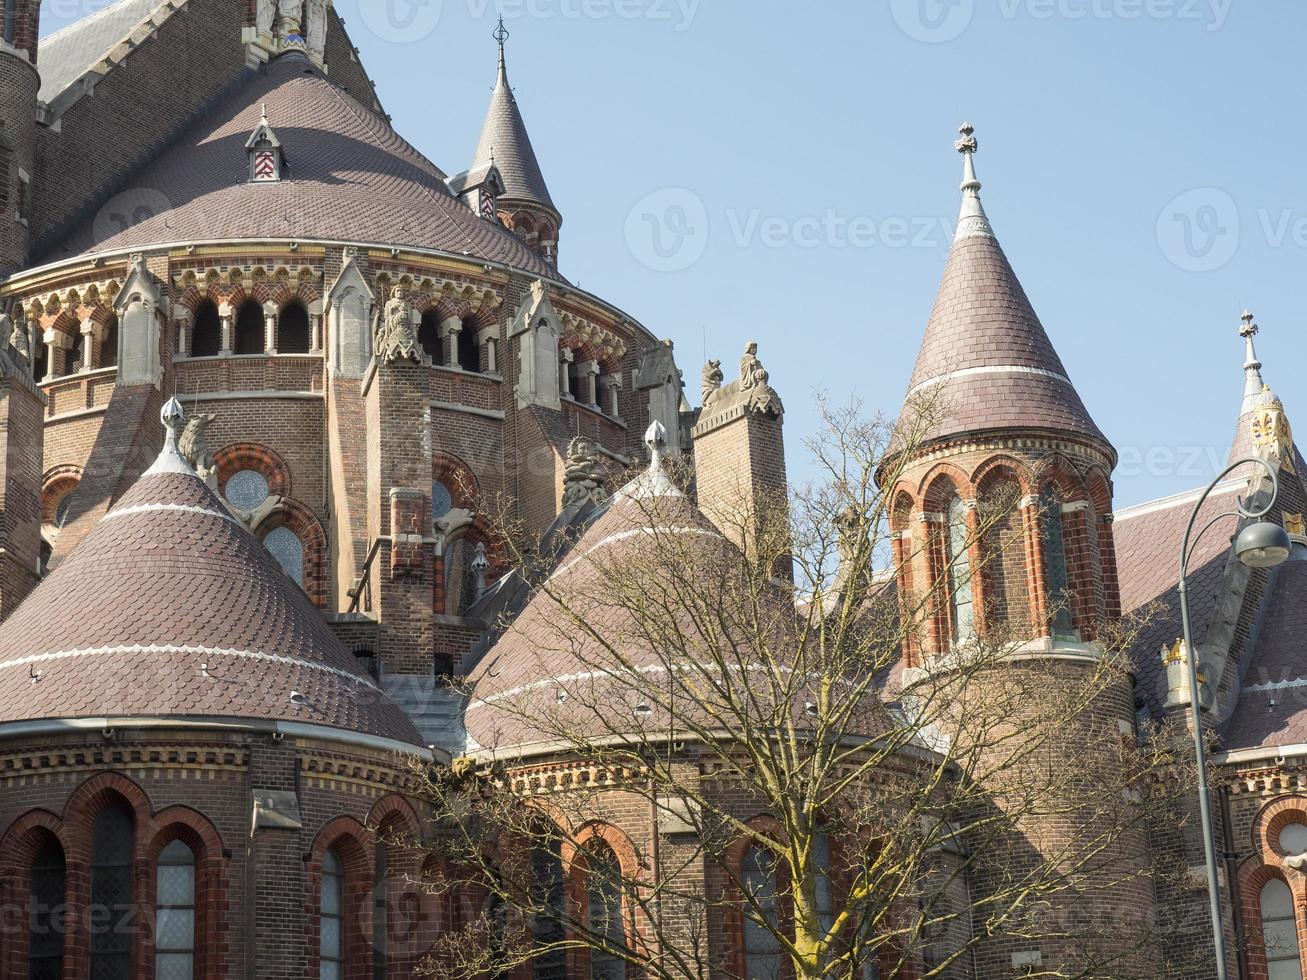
(959, 571)
(442, 500)
(1056, 575)
(45, 944)
(604, 895)
(174, 936)
(247, 489)
(1280, 932)
(289, 552)
(762, 949)
(111, 894)
(331, 924)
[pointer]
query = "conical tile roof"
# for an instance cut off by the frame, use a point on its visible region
(505, 143)
(171, 609)
(985, 342)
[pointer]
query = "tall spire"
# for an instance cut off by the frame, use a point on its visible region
(985, 343)
(1254, 386)
(504, 141)
(972, 220)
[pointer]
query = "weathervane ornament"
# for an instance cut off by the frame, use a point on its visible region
(968, 143)
(1249, 328)
(501, 33)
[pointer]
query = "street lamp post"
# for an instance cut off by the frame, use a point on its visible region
(1261, 544)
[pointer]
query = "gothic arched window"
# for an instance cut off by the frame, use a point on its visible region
(958, 556)
(331, 919)
(604, 912)
(1057, 578)
(288, 549)
(1280, 932)
(548, 893)
(251, 337)
(1007, 592)
(206, 333)
(45, 944)
(174, 933)
(112, 838)
(762, 948)
(294, 335)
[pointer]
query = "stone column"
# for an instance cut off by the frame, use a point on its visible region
(227, 315)
(89, 345)
(565, 358)
(315, 327)
(269, 328)
(53, 344)
(182, 319)
(613, 383)
(450, 330)
(588, 373)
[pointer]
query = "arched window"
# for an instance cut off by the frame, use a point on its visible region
(41, 362)
(762, 948)
(1057, 587)
(548, 893)
(250, 333)
(111, 893)
(460, 580)
(206, 333)
(331, 924)
(429, 336)
(442, 499)
(958, 556)
(469, 354)
(293, 332)
(174, 931)
(289, 552)
(379, 907)
(109, 346)
(45, 944)
(604, 912)
(1007, 593)
(1280, 932)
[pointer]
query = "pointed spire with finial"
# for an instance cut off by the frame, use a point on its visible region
(972, 220)
(1254, 386)
(170, 459)
(501, 35)
(653, 482)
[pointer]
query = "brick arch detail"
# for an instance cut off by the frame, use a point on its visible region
(18, 848)
(58, 482)
(459, 477)
(390, 810)
(301, 521)
(934, 478)
(253, 456)
(199, 834)
(733, 865)
(575, 851)
(1253, 875)
(356, 847)
(997, 467)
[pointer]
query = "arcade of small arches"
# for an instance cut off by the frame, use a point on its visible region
(1008, 553)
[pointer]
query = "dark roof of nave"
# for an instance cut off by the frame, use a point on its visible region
(171, 609)
(350, 177)
(504, 141)
(68, 52)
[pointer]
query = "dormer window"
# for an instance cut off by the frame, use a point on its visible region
(267, 160)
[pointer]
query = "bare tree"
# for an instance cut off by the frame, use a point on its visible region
(797, 800)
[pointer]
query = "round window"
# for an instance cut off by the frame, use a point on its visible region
(246, 490)
(1293, 839)
(442, 500)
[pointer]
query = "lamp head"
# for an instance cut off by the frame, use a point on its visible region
(1263, 545)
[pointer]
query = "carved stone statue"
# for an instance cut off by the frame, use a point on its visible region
(290, 17)
(583, 474)
(315, 28)
(194, 446)
(752, 372)
(397, 339)
(479, 568)
(21, 339)
(265, 16)
(712, 381)
(6, 331)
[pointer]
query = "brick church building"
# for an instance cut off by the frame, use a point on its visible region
(218, 659)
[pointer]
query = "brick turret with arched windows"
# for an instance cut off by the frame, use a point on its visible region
(1001, 519)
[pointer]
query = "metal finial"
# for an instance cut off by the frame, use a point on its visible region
(968, 143)
(173, 417)
(501, 34)
(1249, 328)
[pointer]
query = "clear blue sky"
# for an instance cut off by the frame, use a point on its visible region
(1142, 162)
